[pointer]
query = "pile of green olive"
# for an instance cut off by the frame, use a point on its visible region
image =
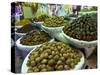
(40, 18)
(55, 21)
(23, 22)
(53, 56)
(36, 38)
(83, 28)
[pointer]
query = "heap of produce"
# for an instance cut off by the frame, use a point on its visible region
(94, 16)
(53, 56)
(36, 38)
(55, 21)
(23, 22)
(40, 18)
(26, 28)
(83, 28)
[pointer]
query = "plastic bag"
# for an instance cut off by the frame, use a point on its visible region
(42, 9)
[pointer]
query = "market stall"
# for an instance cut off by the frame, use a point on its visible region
(61, 40)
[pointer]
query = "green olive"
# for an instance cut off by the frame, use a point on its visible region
(55, 21)
(66, 67)
(65, 55)
(62, 58)
(43, 66)
(50, 56)
(33, 63)
(59, 62)
(49, 68)
(36, 70)
(38, 59)
(43, 70)
(44, 61)
(56, 57)
(36, 38)
(46, 55)
(60, 67)
(51, 62)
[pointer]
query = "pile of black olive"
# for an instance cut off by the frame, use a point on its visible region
(53, 56)
(26, 28)
(36, 38)
(83, 28)
(55, 21)
(40, 18)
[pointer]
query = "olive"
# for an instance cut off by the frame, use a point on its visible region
(60, 54)
(23, 22)
(55, 21)
(56, 57)
(57, 52)
(59, 47)
(52, 48)
(38, 59)
(82, 28)
(41, 56)
(59, 62)
(50, 56)
(43, 66)
(26, 28)
(36, 70)
(36, 38)
(60, 67)
(62, 58)
(53, 52)
(62, 50)
(44, 61)
(65, 55)
(51, 62)
(72, 65)
(49, 68)
(33, 63)
(43, 70)
(68, 61)
(40, 18)
(66, 67)
(31, 57)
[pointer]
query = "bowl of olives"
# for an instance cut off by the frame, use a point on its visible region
(82, 33)
(53, 56)
(22, 22)
(25, 29)
(32, 40)
(54, 25)
(41, 18)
